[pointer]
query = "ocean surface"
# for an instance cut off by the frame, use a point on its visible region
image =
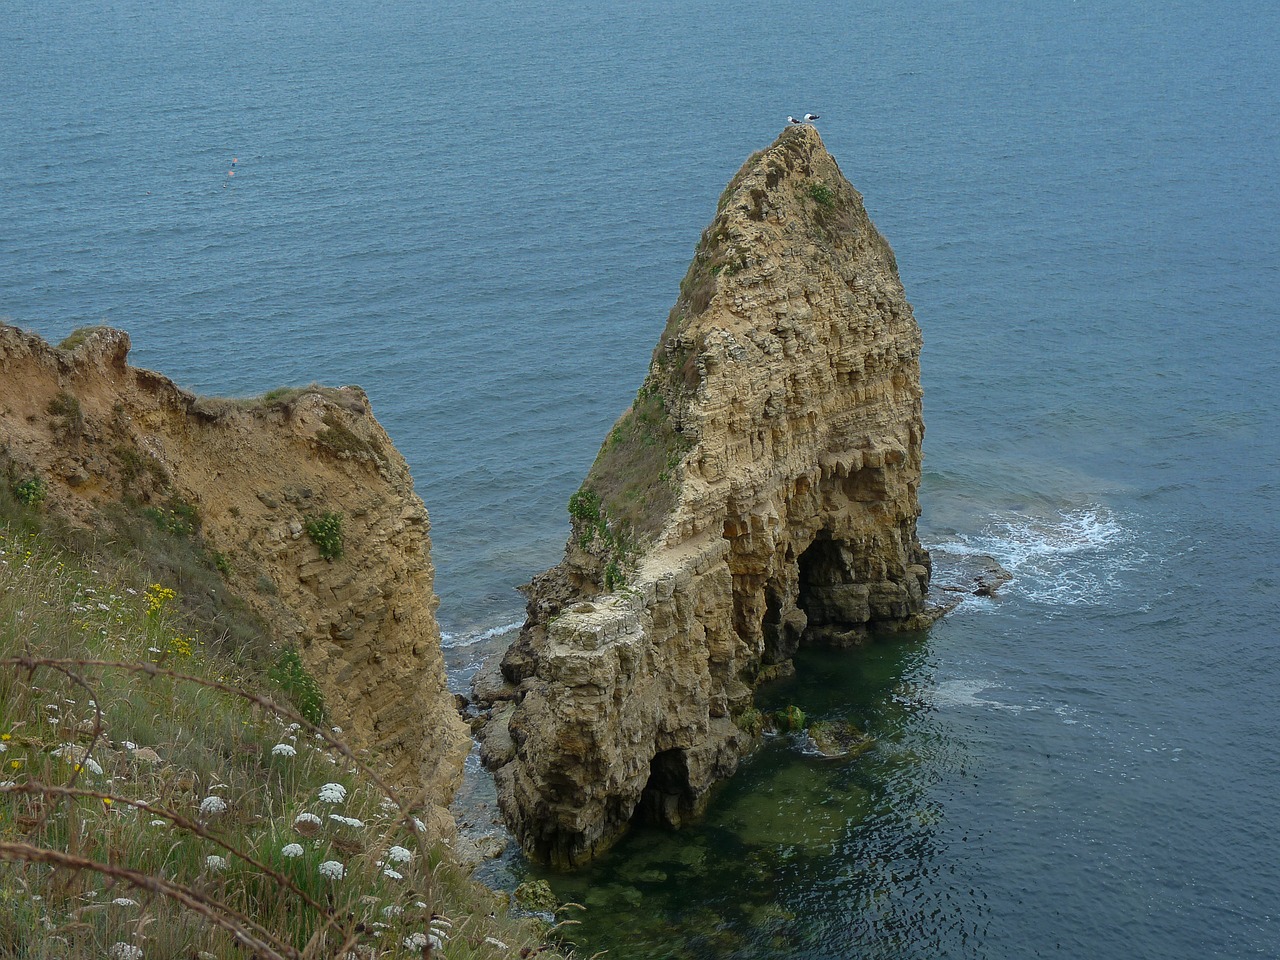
(480, 212)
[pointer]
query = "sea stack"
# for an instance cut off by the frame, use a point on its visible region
(759, 494)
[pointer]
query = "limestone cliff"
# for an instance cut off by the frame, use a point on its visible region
(759, 493)
(98, 431)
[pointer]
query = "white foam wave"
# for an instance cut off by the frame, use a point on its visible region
(1071, 557)
(964, 693)
(467, 638)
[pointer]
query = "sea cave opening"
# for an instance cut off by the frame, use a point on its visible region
(667, 799)
(835, 606)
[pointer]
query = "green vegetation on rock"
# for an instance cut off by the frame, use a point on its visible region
(326, 533)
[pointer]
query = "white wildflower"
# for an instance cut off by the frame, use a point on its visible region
(284, 750)
(291, 850)
(125, 951)
(332, 869)
(416, 941)
(419, 825)
(349, 821)
(495, 942)
(158, 823)
(214, 863)
(387, 805)
(294, 727)
(212, 806)
(307, 818)
(153, 649)
(337, 729)
(399, 855)
(393, 874)
(129, 745)
(78, 755)
(124, 902)
(333, 793)
(3, 747)
(392, 910)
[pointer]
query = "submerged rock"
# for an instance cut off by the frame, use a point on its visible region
(760, 493)
(838, 739)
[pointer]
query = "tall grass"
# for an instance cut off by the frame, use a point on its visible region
(155, 802)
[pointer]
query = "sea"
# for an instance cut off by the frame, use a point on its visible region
(481, 211)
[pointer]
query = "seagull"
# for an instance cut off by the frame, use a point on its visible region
(810, 117)
(791, 119)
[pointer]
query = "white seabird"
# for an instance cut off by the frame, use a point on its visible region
(791, 119)
(810, 117)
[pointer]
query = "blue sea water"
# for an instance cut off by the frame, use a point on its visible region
(481, 211)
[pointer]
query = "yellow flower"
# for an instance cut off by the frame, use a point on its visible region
(15, 764)
(106, 801)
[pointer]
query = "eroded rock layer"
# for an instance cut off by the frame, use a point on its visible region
(760, 493)
(98, 431)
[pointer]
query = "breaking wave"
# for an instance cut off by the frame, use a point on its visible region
(1074, 556)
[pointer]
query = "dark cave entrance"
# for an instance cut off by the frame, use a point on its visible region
(836, 607)
(667, 799)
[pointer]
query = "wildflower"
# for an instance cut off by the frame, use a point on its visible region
(332, 869)
(333, 793)
(125, 951)
(78, 757)
(284, 750)
(392, 910)
(291, 850)
(416, 941)
(294, 727)
(387, 805)
(129, 745)
(495, 942)
(399, 855)
(212, 806)
(349, 821)
(307, 824)
(3, 747)
(337, 729)
(106, 802)
(124, 902)
(393, 874)
(158, 823)
(214, 863)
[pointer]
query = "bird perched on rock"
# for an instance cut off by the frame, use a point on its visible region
(810, 117)
(791, 119)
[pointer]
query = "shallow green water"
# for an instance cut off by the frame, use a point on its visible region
(741, 883)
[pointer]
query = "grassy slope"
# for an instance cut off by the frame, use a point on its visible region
(81, 745)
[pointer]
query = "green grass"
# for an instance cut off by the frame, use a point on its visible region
(132, 751)
(634, 474)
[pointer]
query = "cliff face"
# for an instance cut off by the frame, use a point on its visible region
(97, 430)
(760, 493)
